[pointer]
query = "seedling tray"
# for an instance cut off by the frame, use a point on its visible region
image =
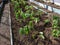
(43, 25)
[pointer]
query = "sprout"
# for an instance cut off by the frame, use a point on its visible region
(24, 30)
(41, 35)
(21, 31)
(17, 15)
(30, 25)
(24, 16)
(55, 33)
(39, 12)
(28, 7)
(55, 17)
(55, 22)
(36, 20)
(46, 21)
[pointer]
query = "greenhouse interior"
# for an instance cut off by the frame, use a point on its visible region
(29, 22)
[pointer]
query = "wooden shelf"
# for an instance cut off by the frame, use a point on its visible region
(49, 4)
(44, 9)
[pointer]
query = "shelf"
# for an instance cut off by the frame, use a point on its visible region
(45, 10)
(49, 4)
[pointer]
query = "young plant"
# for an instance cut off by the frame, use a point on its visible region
(46, 21)
(17, 14)
(30, 25)
(41, 35)
(55, 17)
(24, 15)
(25, 30)
(21, 31)
(59, 22)
(16, 5)
(27, 7)
(39, 12)
(23, 2)
(55, 33)
(36, 20)
(31, 14)
(55, 21)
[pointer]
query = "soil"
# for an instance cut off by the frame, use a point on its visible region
(28, 39)
(49, 4)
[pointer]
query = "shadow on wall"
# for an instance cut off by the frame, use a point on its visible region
(2, 5)
(1, 10)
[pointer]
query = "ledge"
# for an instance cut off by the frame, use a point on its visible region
(50, 8)
(43, 9)
(55, 5)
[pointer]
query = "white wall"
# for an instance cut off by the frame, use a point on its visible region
(57, 2)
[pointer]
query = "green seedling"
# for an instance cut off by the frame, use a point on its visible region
(17, 15)
(30, 25)
(55, 21)
(28, 11)
(56, 33)
(46, 21)
(33, 36)
(55, 26)
(55, 17)
(32, 18)
(24, 30)
(28, 7)
(39, 12)
(32, 14)
(41, 35)
(21, 12)
(24, 15)
(12, 0)
(16, 4)
(21, 31)
(59, 22)
(36, 20)
(23, 2)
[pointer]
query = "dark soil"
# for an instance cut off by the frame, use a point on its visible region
(28, 39)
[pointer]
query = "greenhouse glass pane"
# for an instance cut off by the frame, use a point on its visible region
(58, 1)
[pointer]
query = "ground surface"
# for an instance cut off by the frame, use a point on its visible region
(4, 27)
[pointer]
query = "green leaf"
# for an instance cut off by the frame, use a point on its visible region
(36, 20)
(55, 32)
(41, 35)
(30, 24)
(46, 21)
(21, 31)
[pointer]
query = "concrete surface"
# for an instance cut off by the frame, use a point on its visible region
(5, 27)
